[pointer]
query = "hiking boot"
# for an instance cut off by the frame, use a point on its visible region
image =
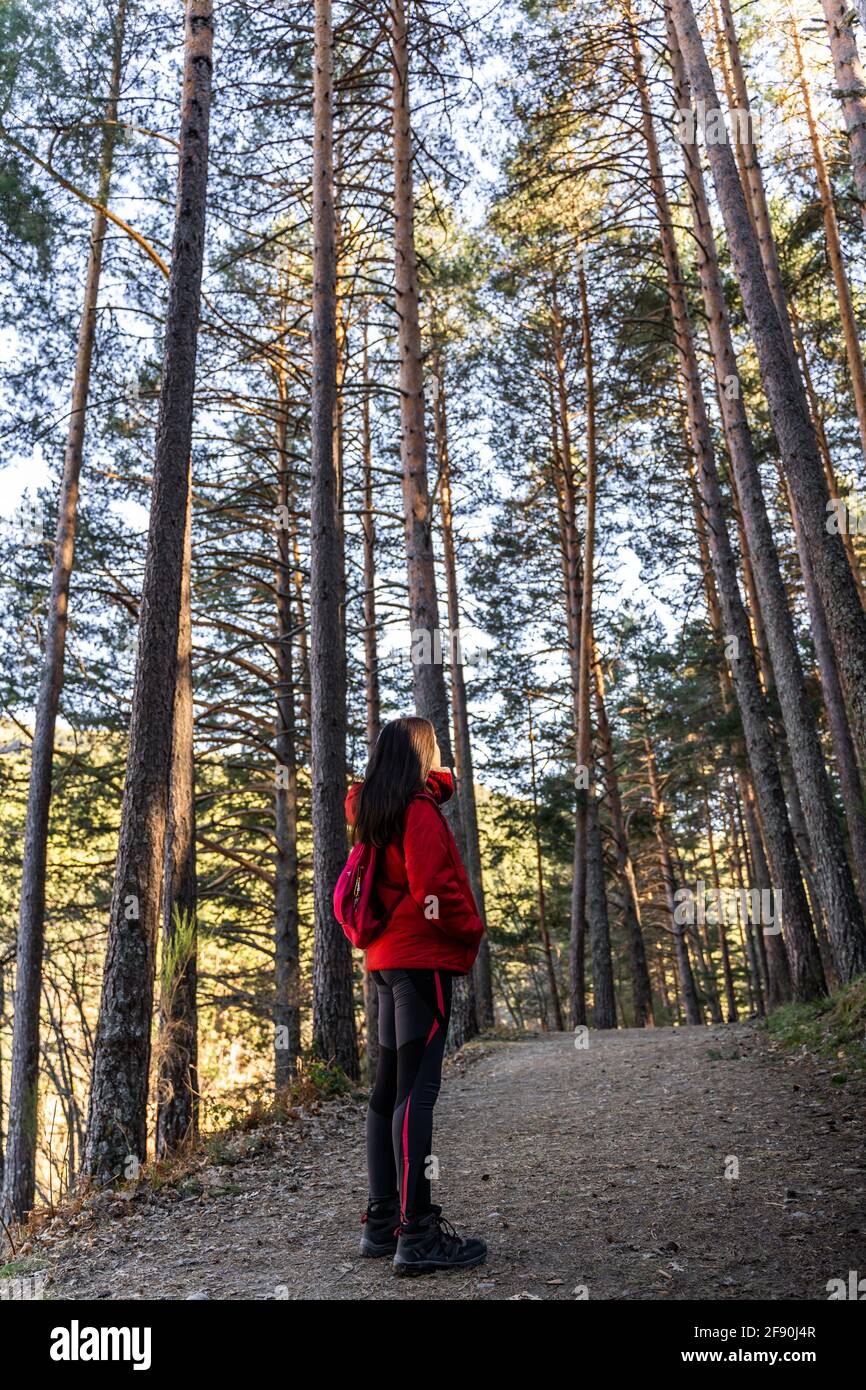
(430, 1242)
(380, 1222)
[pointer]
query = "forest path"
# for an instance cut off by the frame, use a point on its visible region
(600, 1168)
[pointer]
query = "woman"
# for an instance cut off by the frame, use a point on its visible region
(432, 933)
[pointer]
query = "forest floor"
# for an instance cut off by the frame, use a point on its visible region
(596, 1172)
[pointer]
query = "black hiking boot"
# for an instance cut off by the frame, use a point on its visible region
(380, 1222)
(430, 1242)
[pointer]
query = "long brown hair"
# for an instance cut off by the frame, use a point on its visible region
(398, 768)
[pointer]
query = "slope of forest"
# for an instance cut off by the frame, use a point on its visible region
(497, 362)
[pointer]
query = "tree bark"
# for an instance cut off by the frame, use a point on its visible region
(600, 933)
(850, 86)
(431, 696)
(730, 998)
(641, 985)
(459, 703)
(688, 989)
(287, 967)
(784, 390)
(178, 1093)
(773, 963)
(372, 700)
(572, 592)
(543, 929)
(802, 948)
(19, 1178)
(116, 1140)
(334, 1031)
(825, 839)
(603, 1000)
(853, 351)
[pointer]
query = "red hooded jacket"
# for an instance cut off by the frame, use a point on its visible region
(433, 922)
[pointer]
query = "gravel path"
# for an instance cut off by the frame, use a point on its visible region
(596, 1172)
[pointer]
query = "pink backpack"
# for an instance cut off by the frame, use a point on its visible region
(356, 905)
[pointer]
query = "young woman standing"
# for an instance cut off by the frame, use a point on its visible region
(432, 933)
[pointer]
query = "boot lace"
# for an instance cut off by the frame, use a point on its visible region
(447, 1233)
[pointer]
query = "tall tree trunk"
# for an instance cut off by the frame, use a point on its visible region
(19, 1178)
(752, 183)
(116, 1129)
(805, 962)
(603, 999)
(781, 989)
(850, 85)
(785, 394)
(334, 1032)
(287, 967)
(723, 935)
(372, 701)
(753, 974)
(685, 975)
(585, 808)
(178, 1094)
(834, 880)
(431, 696)
(459, 702)
(572, 588)
(543, 929)
(853, 351)
(815, 410)
(641, 986)
(2, 1078)
(773, 962)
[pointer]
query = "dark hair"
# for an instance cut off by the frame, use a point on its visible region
(398, 768)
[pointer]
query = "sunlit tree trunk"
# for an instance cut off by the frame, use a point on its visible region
(116, 1131)
(773, 963)
(853, 351)
(431, 696)
(641, 986)
(742, 873)
(177, 1105)
(587, 831)
(287, 966)
(752, 183)
(543, 930)
(459, 702)
(835, 883)
(722, 924)
(784, 389)
(685, 976)
(572, 585)
(334, 1031)
(20, 1166)
(850, 85)
(372, 701)
(802, 948)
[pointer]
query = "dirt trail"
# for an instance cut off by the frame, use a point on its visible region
(600, 1169)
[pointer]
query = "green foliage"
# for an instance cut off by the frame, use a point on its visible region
(830, 1028)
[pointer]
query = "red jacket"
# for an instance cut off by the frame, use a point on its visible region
(433, 921)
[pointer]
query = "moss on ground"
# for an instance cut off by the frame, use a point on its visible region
(831, 1029)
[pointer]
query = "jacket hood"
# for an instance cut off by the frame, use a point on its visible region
(441, 784)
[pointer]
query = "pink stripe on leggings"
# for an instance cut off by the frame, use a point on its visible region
(430, 1036)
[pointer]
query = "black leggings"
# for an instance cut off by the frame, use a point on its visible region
(414, 1009)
